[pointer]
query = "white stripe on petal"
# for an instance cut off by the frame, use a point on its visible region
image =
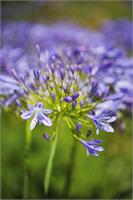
(46, 121)
(97, 131)
(112, 119)
(33, 123)
(105, 127)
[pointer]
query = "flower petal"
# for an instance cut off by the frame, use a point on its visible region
(95, 142)
(26, 114)
(46, 111)
(39, 105)
(11, 100)
(46, 121)
(107, 116)
(30, 107)
(33, 123)
(97, 131)
(92, 151)
(99, 148)
(115, 97)
(103, 126)
(92, 146)
(91, 116)
(7, 79)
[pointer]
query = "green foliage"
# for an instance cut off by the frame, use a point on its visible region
(92, 177)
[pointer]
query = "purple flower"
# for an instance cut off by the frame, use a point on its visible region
(74, 103)
(75, 96)
(81, 103)
(101, 120)
(94, 88)
(62, 74)
(8, 85)
(92, 147)
(53, 96)
(10, 100)
(46, 136)
(78, 126)
(115, 97)
(38, 115)
(68, 99)
(72, 99)
(118, 32)
(18, 103)
(36, 74)
(9, 88)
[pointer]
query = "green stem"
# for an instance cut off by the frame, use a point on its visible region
(70, 169)
(28, 136)
(49, 167)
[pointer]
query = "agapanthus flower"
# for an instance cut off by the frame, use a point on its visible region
(88, 48)
(38, 114)
(101, 120)
(92, 146)
(60, 77)
(61, 87)
(119, 33)
(10, 89)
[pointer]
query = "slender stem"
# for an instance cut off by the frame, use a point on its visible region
(70, 169)
(49, 167)
(28, 136)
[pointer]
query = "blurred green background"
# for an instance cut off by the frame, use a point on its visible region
(107, 177)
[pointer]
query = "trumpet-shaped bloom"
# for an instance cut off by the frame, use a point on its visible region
(101, 120)
(38, 114)
(92, 147)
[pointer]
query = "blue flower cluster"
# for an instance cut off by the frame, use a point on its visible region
(47, 71)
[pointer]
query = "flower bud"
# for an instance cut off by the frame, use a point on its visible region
(78, 126)
(75, 95)
(74, 103)
(68, 99)
(46, 136)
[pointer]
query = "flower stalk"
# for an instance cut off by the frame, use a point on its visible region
(48, 172)
(28, 137)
